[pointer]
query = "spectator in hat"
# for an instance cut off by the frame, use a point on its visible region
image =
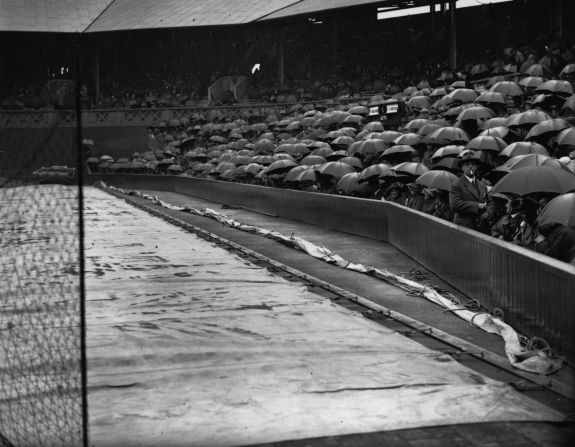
(506, 226)
(441, 208)
(430, 200)
(527, 233)
(468, 195)
(396, 193)
(415, 197)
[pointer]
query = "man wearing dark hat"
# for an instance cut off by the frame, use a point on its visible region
(467, 196)
(527, 233)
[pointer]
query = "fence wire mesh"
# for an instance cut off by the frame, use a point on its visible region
(42, 392)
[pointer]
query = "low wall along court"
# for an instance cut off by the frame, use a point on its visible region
(534, 292)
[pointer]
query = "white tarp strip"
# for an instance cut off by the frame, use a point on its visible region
(539, 361)
(191, 345)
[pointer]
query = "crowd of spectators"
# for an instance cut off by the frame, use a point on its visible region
(518, 111)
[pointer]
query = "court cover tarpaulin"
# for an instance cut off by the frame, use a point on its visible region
(191, 345)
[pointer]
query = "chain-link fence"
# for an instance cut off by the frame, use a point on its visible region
(42, 366)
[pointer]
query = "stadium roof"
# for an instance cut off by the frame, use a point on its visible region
(85, 16)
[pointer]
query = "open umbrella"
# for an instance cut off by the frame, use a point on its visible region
(535, 179)
(399, 149)
(293, 174)
(322, 151)
(477, 113)
(437, 179)
(342, 141)
(523, 148)
(446, 135)
(497, 121)
(348, 185)
(560, 209)
(307, 176)
(416, 124)
(374, 126)
(450, 164)
(555, 86)
(507, 88)
(531, 82)
(409, 138)
(367, 147)
(279, 167)
(546, 129)
(312, 160)
(373, 171)
(527, 119)
(410, 168)
(538, 70)
(334, 169)
(462, 95)
(352, 161)
(334, 156)
(486, 143)
(451, 150)
(490, 97)
(295, 149)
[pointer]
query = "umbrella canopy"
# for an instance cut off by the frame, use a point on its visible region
(531, 82)
(322, 151)
(367, 147)
(334, 169)
(462, 95)
(334, 156)
(555, 86)
(477, 113)
(450, 164)
(293, 174)
(416, 124)
(451, 150)
(410, 168)
(507, 88)
(566, 138)
(265, 160)
(373, 171)
(295, 149)
(409, 138)
(352, 161)
(359, 110)
(437, 179)
(446, 135)
(486, 143)
(349, 185)
(490, 97)
(279, 167)
(523, 148)
(307, 175)
(545, 129)
(399, 149)
(312, 160)
(252, 168)
(342, 141)
(374, 126)
(560, 209)
(538, 70)
(535, 179)
(567, 70)
(527, 119)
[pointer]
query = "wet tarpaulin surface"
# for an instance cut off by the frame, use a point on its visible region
(191, 345)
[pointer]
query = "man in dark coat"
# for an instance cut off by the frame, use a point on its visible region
(468, 195)
(560, 242)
